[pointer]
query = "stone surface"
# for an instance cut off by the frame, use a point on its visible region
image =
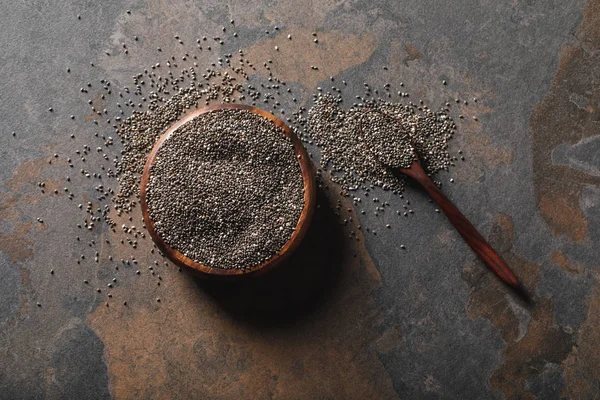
(345, 318)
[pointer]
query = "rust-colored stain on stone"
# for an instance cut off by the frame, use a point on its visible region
(561, 210)
(544, 343)
(412, 53)
(335, 53)
(589, 31)
(532, 336)
(299, 13)
(570, 266)
(26, 173)
(15, 242)
(285, 335)
(481, 146)
(481, 152)
(557, 120)
(402, 53)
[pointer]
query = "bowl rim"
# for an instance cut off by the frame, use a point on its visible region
(302, 225)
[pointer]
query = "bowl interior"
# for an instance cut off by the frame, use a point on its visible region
(301, 226)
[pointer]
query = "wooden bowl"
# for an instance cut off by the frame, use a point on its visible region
(301, 227)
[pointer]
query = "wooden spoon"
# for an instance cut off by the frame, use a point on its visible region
(464, 227)
(380, 148)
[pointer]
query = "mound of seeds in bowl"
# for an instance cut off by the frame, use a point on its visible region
(226, 189)
(362, 145)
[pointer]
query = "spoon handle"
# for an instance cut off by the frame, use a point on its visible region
(464, 227)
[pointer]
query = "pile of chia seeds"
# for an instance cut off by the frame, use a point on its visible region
(364, 144)
(226, 189)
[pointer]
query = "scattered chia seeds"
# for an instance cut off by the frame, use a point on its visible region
(226, 189)
(141, 130)
(364, 143)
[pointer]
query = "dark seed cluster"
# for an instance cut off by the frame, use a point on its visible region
(226, 189)
(362, 145)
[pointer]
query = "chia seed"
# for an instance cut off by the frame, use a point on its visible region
(362, 145)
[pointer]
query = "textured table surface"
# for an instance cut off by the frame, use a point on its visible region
(344, 319)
